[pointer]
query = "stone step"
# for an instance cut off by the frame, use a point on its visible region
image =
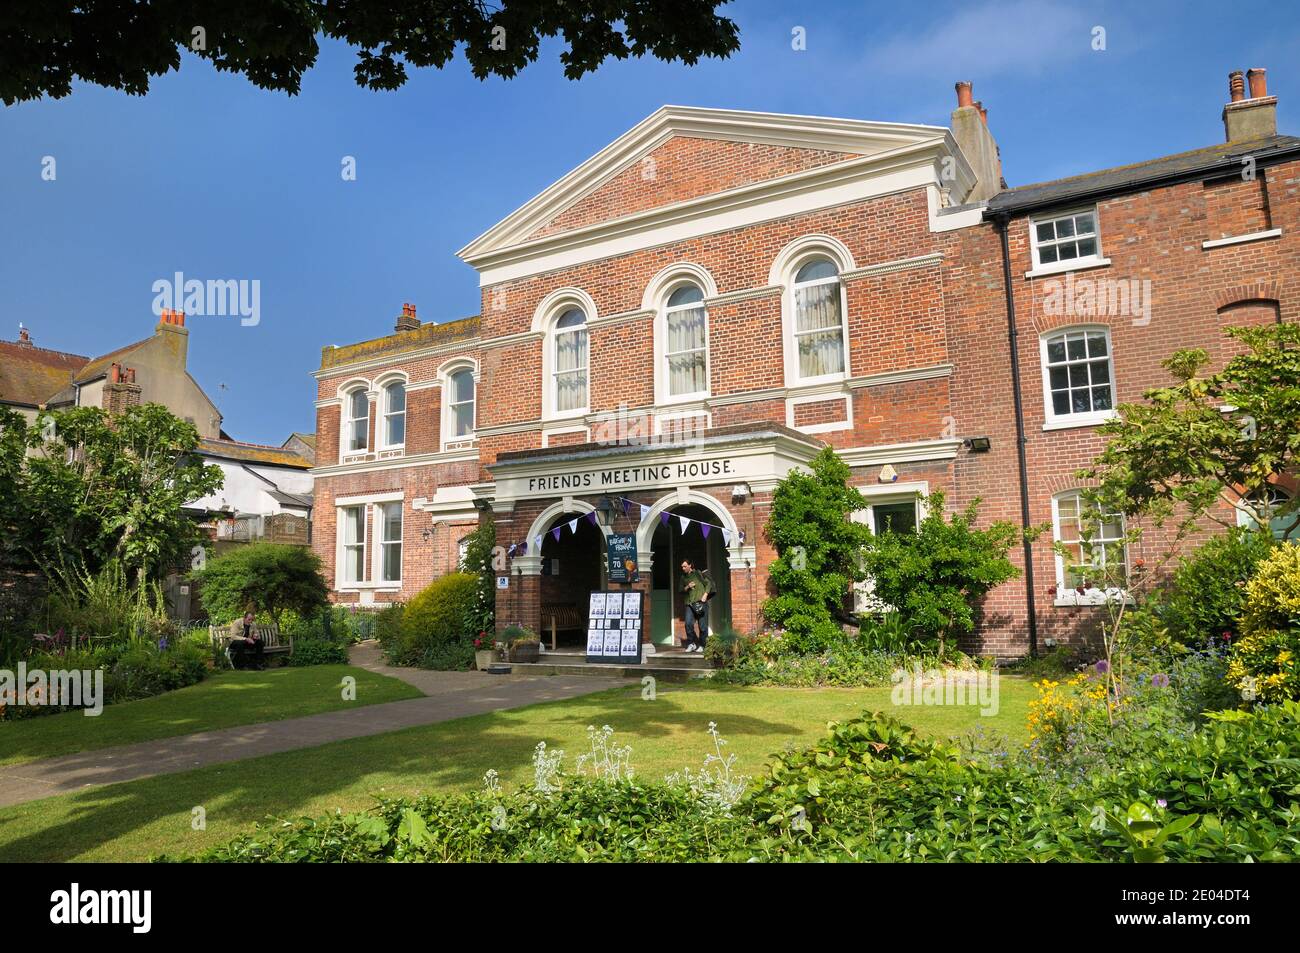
(658, 660)
(665, 672)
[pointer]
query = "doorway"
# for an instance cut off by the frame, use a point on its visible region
(572, 568)
(669, 546)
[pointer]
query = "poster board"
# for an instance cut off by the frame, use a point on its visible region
(614, 624)
(621, 550)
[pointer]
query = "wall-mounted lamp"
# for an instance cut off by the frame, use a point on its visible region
(977, 444)
(740, 493)
(482, 505)
(605, 511)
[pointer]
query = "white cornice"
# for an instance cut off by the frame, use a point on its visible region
(899, 264)
(916, 452)
(900, 377)
(745, 294)
(850, 136)
(397, 463)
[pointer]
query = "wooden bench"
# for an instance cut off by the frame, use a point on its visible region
(561, 617)
(273, 643)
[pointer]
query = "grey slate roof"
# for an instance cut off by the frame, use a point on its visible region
(1224, 158)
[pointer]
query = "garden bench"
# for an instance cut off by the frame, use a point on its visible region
(273, 643)
(561, 617)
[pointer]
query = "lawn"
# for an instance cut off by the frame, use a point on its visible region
(223, 700)
(140, 819)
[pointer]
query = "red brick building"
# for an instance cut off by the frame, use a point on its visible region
(670, 328)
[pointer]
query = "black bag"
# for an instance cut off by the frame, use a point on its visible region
(697, 607)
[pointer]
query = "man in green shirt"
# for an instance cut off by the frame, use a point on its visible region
(697, 589)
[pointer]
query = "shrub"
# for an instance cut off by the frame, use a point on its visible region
(1206, 595)
(388, 623)
(264, 577)
(482, 561)
(434, 631)
(936, 575)
(318, 652)
(1265, 663)
(818, 546)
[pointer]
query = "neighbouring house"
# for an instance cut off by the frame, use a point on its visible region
(267, 491)
(673, 326)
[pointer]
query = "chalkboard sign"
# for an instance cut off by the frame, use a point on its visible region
(614, 628)
(621, 548)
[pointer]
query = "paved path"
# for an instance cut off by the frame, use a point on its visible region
(448, 695)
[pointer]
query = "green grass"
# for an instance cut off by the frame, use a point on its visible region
(139, 819)
(223, 700)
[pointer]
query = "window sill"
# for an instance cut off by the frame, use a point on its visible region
(1241, 239)
(1091, 598)
(1081, 420)
(370, 587)
(1061, 267)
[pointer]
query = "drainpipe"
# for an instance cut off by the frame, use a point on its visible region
(1000, 221)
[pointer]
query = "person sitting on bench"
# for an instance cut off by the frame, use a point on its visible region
(246, 651)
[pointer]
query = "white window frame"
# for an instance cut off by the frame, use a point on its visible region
(1246, 518)
(864, 598)
(447, 423)
(381, 423)
(1051, 419)
(382, 543)
(348, 422)
(344, 562)
(553, 383)
(793, 334)
(372, 521)
(1092, 595)
(548, 312)
(663, 355)
(1040, 267)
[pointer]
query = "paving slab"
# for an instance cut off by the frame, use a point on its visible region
(449, 695)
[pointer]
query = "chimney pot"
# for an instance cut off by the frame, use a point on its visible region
(964, 94)
(1236, 86)
(1258, 83)
(114, 373)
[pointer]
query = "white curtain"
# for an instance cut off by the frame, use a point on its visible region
(686, 350)
(819, 329)
(571, 370)
(360, 412)
(462, 403)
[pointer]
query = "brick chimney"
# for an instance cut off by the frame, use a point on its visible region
(1252, 116)
(24, 336)
(120, 390)
(970, 127)
(174, 335)
(407, 321)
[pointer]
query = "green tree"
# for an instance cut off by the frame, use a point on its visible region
(817, 545)
(90, 487)
(264, 577)
(935, 576)
(483, 560)
(46, 44)
(1209, 437)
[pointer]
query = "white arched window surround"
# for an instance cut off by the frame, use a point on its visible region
(658, 294)
(1078, 370)
(577, 350)
(390, 402)
(455, 407)
(355, 408)
(785, 269)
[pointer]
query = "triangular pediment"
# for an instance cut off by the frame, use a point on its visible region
(682, 154)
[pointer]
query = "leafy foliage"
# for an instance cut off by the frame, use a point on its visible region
(435, 627)
(1206, 595)
(318, 652)
(1178, 451)
(49, 44)
(935, 576)
(264, 577)
(1265, 662)
(483, 560)
(82, 487)
(817, 545)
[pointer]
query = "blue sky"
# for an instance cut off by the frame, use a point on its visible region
(213, 177)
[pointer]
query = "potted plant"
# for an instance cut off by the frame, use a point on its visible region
(525, 646)
(484, 653)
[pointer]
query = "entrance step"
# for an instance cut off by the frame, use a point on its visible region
(671, 673)
(670, 659)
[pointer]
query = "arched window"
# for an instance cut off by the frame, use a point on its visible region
(394, 414)
(569, 368)
(1078, 381)
(818, 320)
(1265, 504)
(356, 427)
(460, 404)
(686, 342)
